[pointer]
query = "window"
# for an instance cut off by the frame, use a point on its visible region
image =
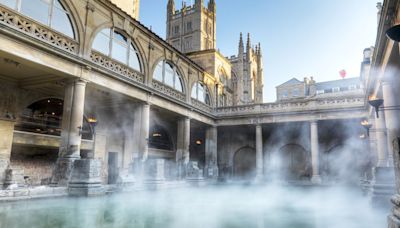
(167, 73)
(176, 29)
(48, 12)
(296, 92)
(222, 100)
(115, 45)
(222, 76)
(336, 89)
(352, 87)
(284, 94)
(189, 26)
(200, 93)
(320, 92)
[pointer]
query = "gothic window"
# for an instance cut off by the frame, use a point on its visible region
(189, 27)
(117, 46)
(222, 76)
(167, 73)
(176, 29)
(200, 93)
(48, 12)
(222, 100)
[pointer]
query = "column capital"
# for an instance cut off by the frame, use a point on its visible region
(313, 121)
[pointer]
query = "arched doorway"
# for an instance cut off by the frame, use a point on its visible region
(244, 164)
(291, 162)
(340, 164)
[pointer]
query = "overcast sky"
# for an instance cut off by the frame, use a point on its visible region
(299, 38)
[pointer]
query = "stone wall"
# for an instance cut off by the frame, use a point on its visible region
(37, 163)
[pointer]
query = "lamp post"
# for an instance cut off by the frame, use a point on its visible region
(376, 103)
(93, 123)
(393, 33)
(367, 126)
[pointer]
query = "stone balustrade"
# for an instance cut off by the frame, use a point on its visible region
(116, 67)
(160, 87)
(293, 106)
(28, 26)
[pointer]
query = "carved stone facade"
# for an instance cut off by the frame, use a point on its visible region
(92, 109)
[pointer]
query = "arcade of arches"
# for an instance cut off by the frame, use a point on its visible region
(116, 93)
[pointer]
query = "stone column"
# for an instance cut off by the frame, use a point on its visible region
(145, 131)
(6, 140)
(316, 178)
(391, 117)
(211, 169)
(259, 153)
(392, 114)
(183, 144)
(71, 133)
(381, 140)
(144, 139)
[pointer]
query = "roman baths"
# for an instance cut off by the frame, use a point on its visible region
(103, 123)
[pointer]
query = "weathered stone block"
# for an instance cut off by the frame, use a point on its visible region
(86, 178)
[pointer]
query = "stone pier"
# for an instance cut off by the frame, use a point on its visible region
(211, 169)
(6, 133)
(71, 134)
(316, 178)
(259, 154)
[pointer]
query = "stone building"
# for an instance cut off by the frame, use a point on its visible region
(192, 30)
(296, 89)
(100, 98)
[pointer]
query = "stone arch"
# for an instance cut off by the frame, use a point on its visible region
(291, 162)
(244, 163)
(76, 21)
(160, 138)
(208, 92)
(133, 41)
(178, 68)
(340, 163)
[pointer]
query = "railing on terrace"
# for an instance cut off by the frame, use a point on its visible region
(46, 125)
(293, 106)
(116, 67)
(28, 26)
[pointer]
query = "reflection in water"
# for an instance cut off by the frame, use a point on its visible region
(271, 206)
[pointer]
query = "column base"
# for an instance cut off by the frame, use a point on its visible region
(86, 178)
(382, 187)
(126, 181)
(62, 172)
(211, 172)
(153, 177)
(316, 179)
(394, 218)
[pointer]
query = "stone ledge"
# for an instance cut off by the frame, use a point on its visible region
(32, 193)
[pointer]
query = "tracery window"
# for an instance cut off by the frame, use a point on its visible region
(115, 45)
(167, 73)
(48, 12)
(200, 93)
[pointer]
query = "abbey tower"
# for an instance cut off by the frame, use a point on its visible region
(192, 30)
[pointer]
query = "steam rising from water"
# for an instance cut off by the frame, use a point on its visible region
(270, 206)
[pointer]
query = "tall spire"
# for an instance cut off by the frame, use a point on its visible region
(198, 4)
(259, 50)
(241, 46)
(248, 46)
(171, 7)
(212, 6)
